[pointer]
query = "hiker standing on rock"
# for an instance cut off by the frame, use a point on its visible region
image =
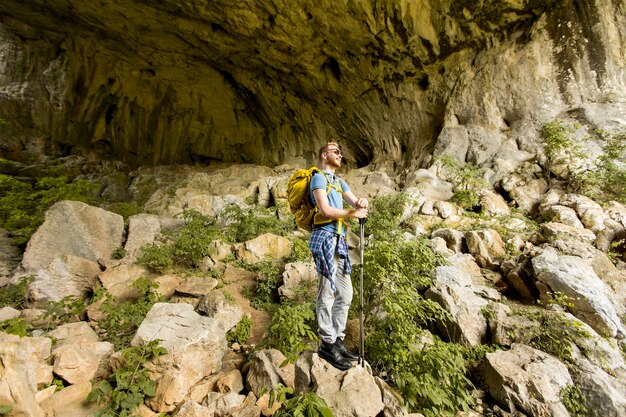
(330, 252)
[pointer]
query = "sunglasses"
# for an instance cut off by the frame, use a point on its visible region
(335, 151)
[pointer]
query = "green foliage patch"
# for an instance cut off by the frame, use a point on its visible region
(385, 215)
(23, 202)
(555, 333)
(122, 320)
(126, 388)
(305, 405)
(574, 400)
(16, 326)
(64, 311)
(291, 329)
(241, 332)
(432, 379)
(602, 178)
(466, 179)
(14, 295)
(246, 224)
(269, 278)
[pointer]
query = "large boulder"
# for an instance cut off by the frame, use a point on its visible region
(23, 373)
(454, 290)
(62, 254)
(263, 247)
(195, 346)
(75, 229)
(347, 393)
(266, 368)
(527, 379)
(591, 299)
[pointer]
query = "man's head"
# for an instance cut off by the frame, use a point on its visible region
(330, 155)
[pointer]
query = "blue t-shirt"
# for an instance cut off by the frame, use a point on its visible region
(335, 199)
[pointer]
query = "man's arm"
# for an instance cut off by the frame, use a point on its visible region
(336, 213)
(354, 201)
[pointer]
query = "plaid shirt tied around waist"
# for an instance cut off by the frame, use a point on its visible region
(324, 245)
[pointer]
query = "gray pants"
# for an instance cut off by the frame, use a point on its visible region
(332, 309)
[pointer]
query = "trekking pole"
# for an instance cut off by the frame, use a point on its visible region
(361, 331)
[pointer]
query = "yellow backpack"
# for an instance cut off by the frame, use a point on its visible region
(298, 196)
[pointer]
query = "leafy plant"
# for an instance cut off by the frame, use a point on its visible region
(574, 400)
(14, 295)
(305, 405)
(269, 278)
(300, 252)
(64, 311)
(193, 241)
(5, 409)
(433, 381)
(119, 253)
(277, 393)
(385, 215)
(126, 388)
(291, 330)
(466, 178)
(122, 319)
(555, 333)
(16, 326)
(241, 332)
(155, 257)
(247, 224)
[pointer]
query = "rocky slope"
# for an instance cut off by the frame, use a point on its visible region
(498, 267)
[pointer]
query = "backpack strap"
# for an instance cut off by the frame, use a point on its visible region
(318, 216)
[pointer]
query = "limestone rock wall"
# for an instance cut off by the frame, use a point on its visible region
(268, 82)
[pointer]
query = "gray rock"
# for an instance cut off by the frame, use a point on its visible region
(593, 301)
(195, 346)
(347, 393)
(226, 313)
(454, 290)
(267, 368)
(528, 379)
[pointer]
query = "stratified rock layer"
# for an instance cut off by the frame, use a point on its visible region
(268, 82)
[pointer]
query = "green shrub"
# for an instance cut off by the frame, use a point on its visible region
(300, 252)
(385, 214)
(468, 199)
(241, 332)
(305, 405)
(14, 295)
(122, 320)
(119, 253)
(395, 317)
(466, 179)
(291, 329)
(433, 381)
(269, 278)
(64, 311)
(574, 400)
(192, 242)
(155, 257)
(603, 178)
(555, 333)
(127, 388)
(247, 224)
(124, 209)
(16, 326)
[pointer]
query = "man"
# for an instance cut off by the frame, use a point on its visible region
(330, 252)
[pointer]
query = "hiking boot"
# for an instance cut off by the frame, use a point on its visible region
(345, 352)
(331, 354)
